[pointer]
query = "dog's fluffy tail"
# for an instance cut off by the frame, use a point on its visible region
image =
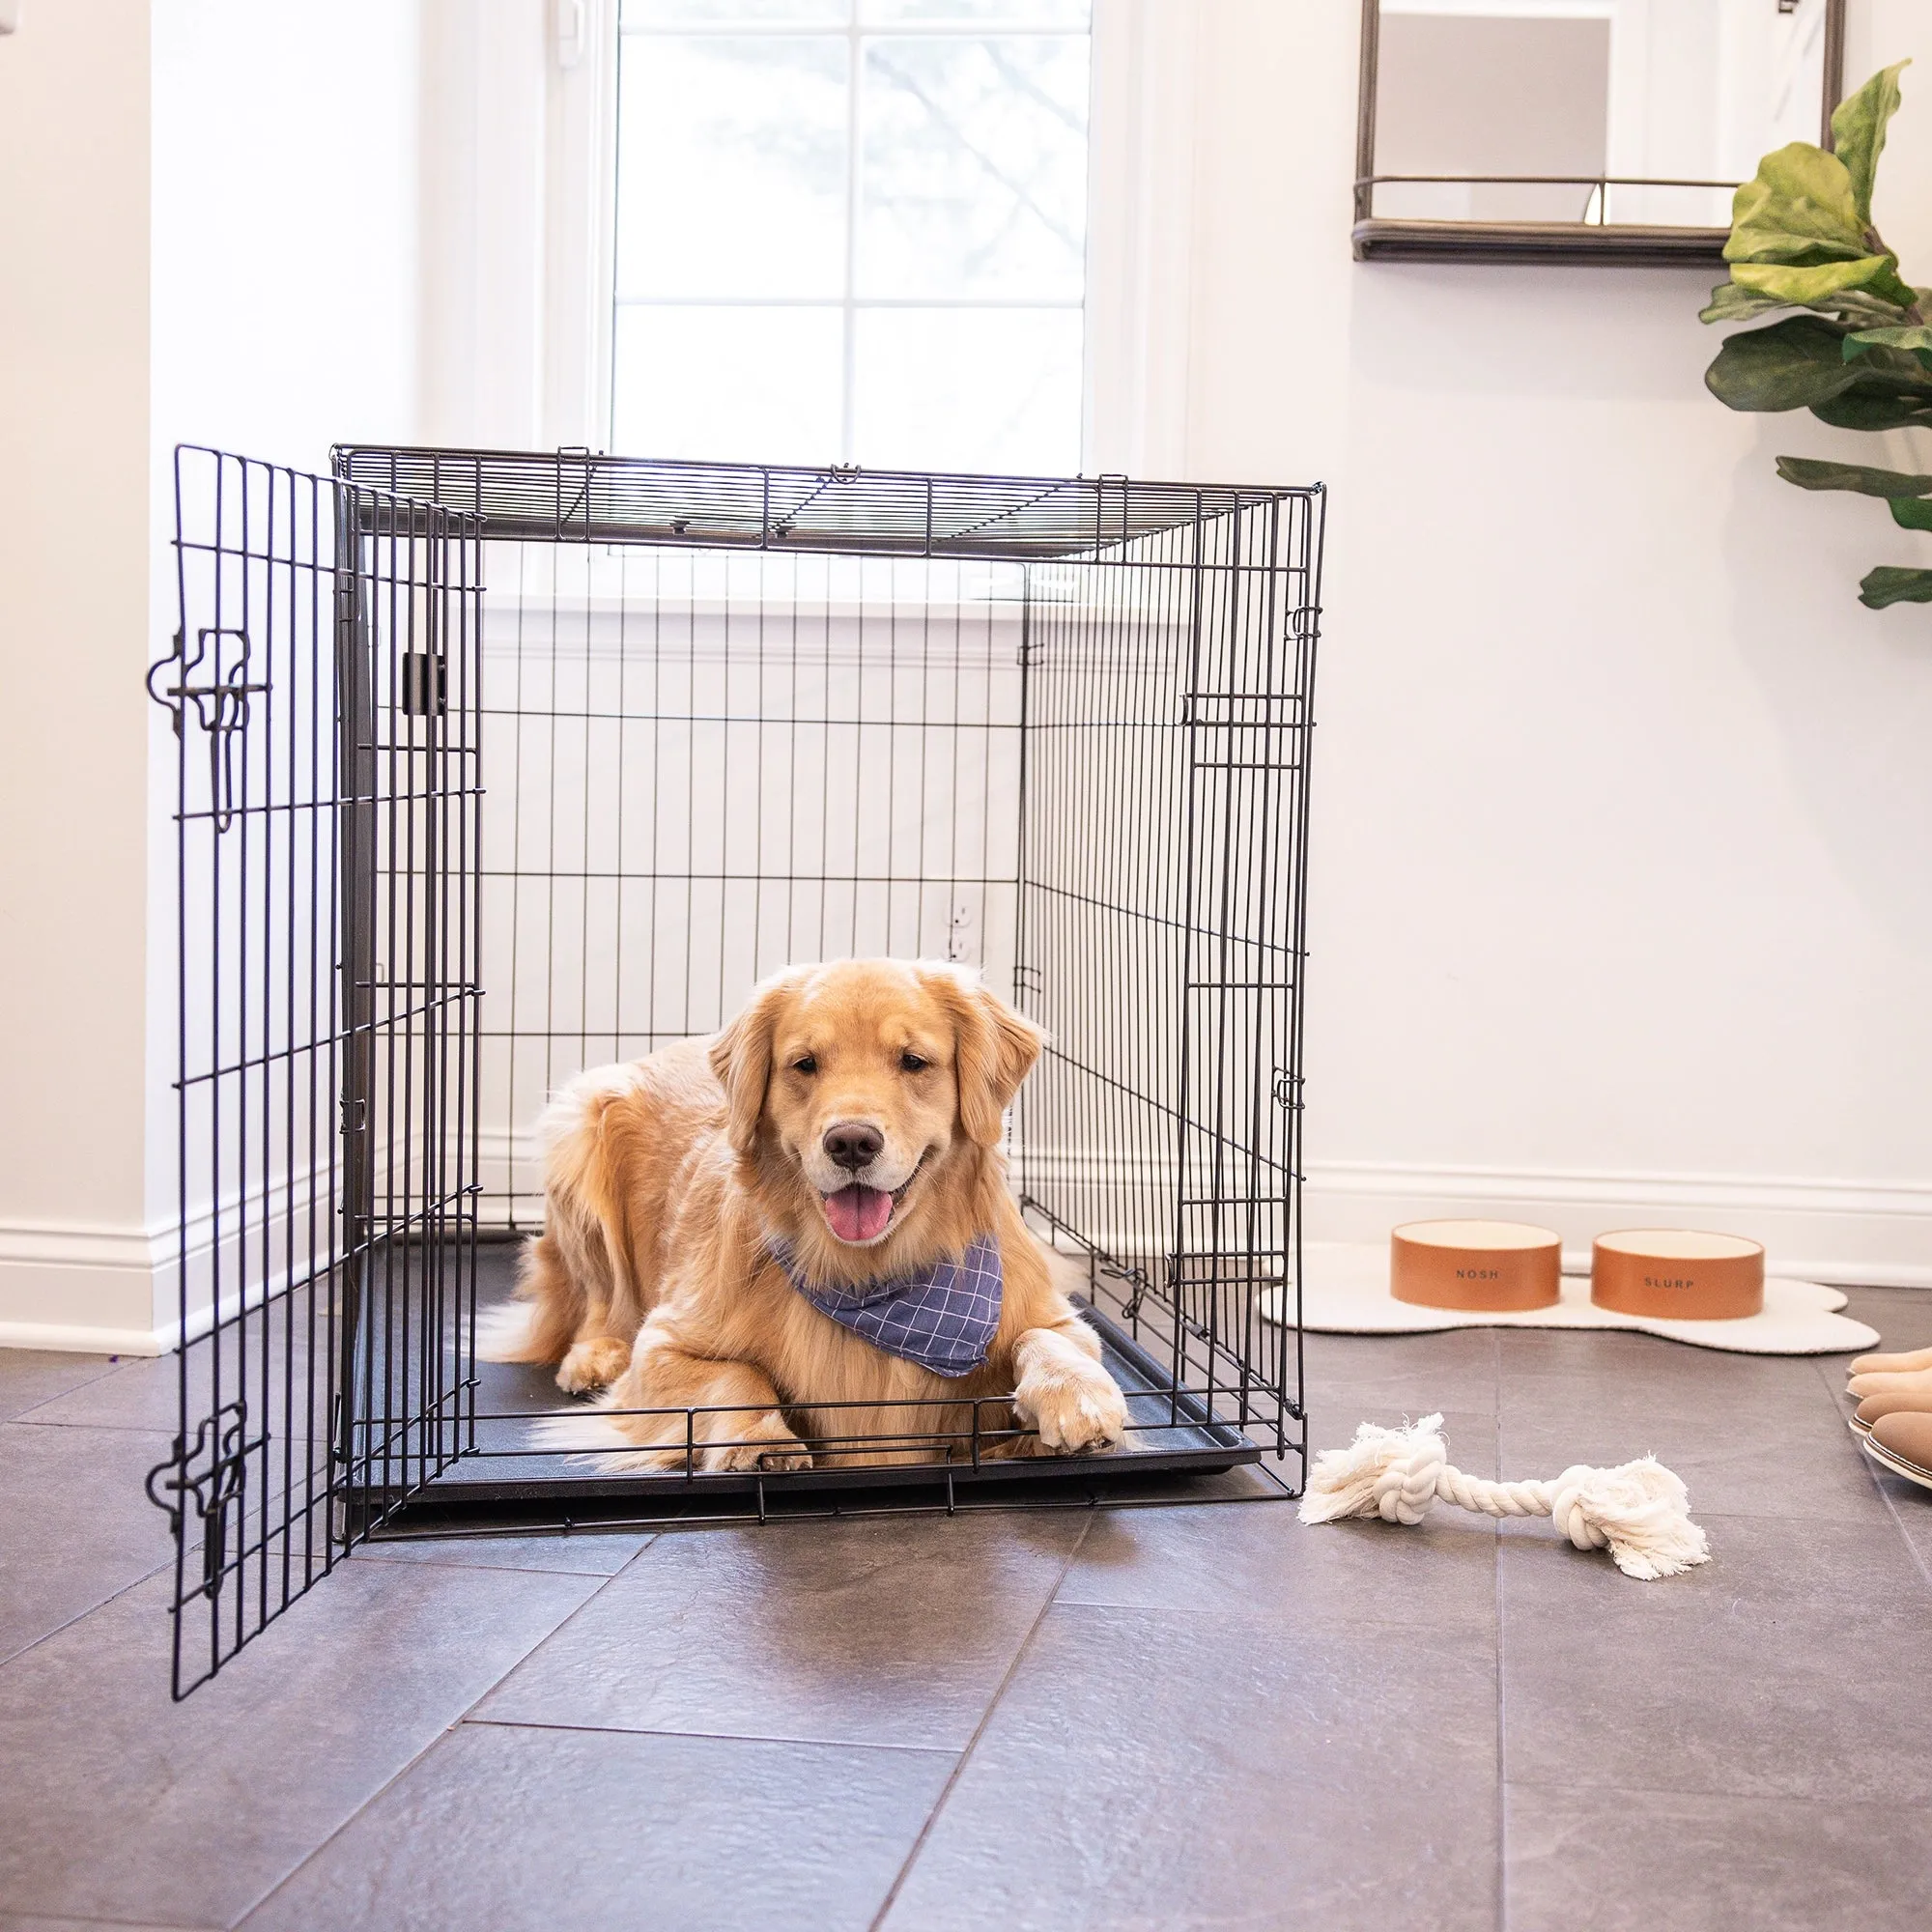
(594, 1442)
(507, 1332)
(541, 1321)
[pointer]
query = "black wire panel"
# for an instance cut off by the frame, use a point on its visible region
(570, 496)
(1084, 773)
(1055, 730)
(1161, 936)
(322, 693)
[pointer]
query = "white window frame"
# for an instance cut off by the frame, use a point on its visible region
(519, 202)
(1140, 216)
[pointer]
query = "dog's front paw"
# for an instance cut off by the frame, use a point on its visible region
(590, 1366)
(1074, 1415)
(763, 1446)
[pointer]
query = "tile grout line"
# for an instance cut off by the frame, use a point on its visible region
(1802, 1801)
(979, 1732)
(131, 1924)
(1872, 1470)
(147, 1576)
(497, 1569)
(31, 1420)
(708, 1737)
(448, 1730)
(112, 1597)
(111, 1369)
(1891, 1502)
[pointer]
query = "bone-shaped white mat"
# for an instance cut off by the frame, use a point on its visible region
(1346, 1291)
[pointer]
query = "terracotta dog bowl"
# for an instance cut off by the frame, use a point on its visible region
(1678, 1273)
(1497, 1266)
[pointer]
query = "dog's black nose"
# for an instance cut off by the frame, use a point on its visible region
(853, 1145)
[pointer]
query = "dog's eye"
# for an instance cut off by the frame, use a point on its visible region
(805, 1064)
(911, 1062)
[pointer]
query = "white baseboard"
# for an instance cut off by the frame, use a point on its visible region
(1849, 1232)
(68, 1339)
(1875, 1233)
(126, 1281)
(50, 1273)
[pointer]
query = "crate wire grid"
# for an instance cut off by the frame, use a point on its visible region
(315, 807)
(703, 761)
(1092, 702)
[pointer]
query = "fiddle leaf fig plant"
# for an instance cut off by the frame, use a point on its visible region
(1859, 355)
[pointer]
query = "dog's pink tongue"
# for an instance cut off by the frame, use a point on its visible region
(859, 1213)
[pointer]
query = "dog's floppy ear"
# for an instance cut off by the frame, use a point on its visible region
(996, 1050)
(741, 1056)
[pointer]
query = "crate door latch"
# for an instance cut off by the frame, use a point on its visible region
(220, 702)
(209, 1474)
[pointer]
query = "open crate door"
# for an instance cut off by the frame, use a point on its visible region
(322, 691)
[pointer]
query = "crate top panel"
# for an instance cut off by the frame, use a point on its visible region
(568, 497)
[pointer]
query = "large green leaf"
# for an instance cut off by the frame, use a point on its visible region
(1813, 286)
(1799, 205)
(1731, 303)
(1890, 584)
(1856, 308)
(1809, 474)
(1872, 408)
(1858, 133)
(1792, 364)
(1912, 513)
(1884, 363)
(1915, 337)
(1798, 364)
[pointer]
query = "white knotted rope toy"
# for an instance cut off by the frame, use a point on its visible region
(1638, 1511)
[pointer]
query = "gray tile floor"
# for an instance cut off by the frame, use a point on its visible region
(1162, 1718)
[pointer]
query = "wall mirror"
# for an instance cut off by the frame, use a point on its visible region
(1580, 130)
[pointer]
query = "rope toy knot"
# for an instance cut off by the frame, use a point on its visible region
(1568, 1512)
(1639, 1511)
(1407, 1483)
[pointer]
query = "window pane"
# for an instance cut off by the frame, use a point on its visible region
(731, 166)
(700, 13)
(1004, 13)
(741, 384)
(992, 390)
(974, 180)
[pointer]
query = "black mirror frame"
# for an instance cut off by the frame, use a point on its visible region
(1382, 239)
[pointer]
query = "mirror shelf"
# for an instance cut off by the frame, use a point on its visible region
(1587, 131)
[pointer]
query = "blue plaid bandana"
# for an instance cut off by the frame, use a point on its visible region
(943, 1316)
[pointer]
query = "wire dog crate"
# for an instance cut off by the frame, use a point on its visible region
(437, 851)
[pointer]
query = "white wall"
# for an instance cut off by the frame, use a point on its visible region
(1622, 871)
(208, 220)
(1623, 895)
(287, 294)
(285, 225)
(73, 644)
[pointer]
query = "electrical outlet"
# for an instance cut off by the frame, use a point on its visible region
(960, 941)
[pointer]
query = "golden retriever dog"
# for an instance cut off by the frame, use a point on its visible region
(809, 1210)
